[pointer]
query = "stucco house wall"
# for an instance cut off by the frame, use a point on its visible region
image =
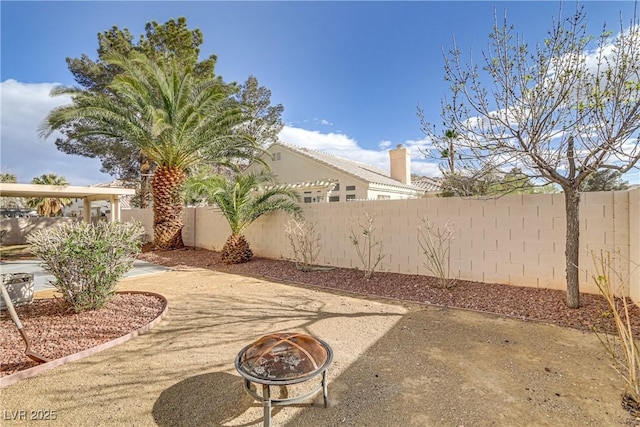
(290, 166)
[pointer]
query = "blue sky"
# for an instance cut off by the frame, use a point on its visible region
(349, 74)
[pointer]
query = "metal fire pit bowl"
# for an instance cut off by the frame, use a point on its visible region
(282, 359)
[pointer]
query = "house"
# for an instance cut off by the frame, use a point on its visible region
(322, 177)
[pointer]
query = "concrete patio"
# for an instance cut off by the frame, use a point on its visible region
(41, 278)
(395, 364)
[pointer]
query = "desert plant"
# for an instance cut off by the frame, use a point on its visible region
(86, 260)
(242, 200)
(622, 346)
(362, 238)
(435, 244)
(305, 242)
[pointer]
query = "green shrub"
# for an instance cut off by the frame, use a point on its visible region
(88, 260)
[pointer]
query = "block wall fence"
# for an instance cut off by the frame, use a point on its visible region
(517, 240)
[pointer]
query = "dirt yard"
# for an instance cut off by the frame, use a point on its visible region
(396, 362)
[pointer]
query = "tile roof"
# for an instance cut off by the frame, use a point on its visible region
(427, 184)
(125, 200)
(360, 170)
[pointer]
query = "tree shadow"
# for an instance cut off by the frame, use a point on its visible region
(208, 399)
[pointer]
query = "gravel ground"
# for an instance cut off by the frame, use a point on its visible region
(529, 304)
(55, 331)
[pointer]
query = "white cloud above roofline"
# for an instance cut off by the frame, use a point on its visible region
(344, 146)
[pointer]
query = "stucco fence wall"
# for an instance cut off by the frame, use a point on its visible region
(17, 229)
(517, 240)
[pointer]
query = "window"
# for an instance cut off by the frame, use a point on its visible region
(350, 188)
(275, 156)
(334, 198)
(351, 196)
(320, 198)
(307, 199)
(337, 187)
(382, 197)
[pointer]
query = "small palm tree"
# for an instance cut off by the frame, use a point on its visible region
(48, 206)
(242, 200)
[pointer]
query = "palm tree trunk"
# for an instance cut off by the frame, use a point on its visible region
(168, 207)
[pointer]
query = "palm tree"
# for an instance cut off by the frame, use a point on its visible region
(450, 136)
(243, 199)
(48, 206)
(175, 118)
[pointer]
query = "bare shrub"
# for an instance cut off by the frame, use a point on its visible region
(369, 249)
(621, 347)
(304, 241)
(435, 244)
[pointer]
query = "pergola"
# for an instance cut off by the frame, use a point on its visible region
(88, 194)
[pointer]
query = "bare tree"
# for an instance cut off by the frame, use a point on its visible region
(559, 110)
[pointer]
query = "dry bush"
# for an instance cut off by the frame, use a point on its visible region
(305, 243)
(622, 346)
(369, 249)
(435, 244)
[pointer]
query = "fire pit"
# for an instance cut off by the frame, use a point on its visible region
(283, 359)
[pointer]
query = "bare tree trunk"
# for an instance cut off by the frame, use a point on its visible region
(144, 192)
(572, 248)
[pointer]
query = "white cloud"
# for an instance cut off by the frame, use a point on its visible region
(23, 152)
(312, 122)
(343, 146)
(384, 144)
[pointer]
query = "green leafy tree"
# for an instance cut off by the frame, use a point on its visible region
(449, 152)
(264, 121)
(604, 180)
(10, 202)
(174, 118)
(560, 109)
(8, 177)
(243, 199)
(466, 184)
(49, 206)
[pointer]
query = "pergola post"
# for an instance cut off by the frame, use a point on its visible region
(86, 210)
(114, 214)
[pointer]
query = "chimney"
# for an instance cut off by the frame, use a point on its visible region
(400, 164)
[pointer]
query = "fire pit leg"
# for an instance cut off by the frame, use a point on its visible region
(266, 401)
(325, 391)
